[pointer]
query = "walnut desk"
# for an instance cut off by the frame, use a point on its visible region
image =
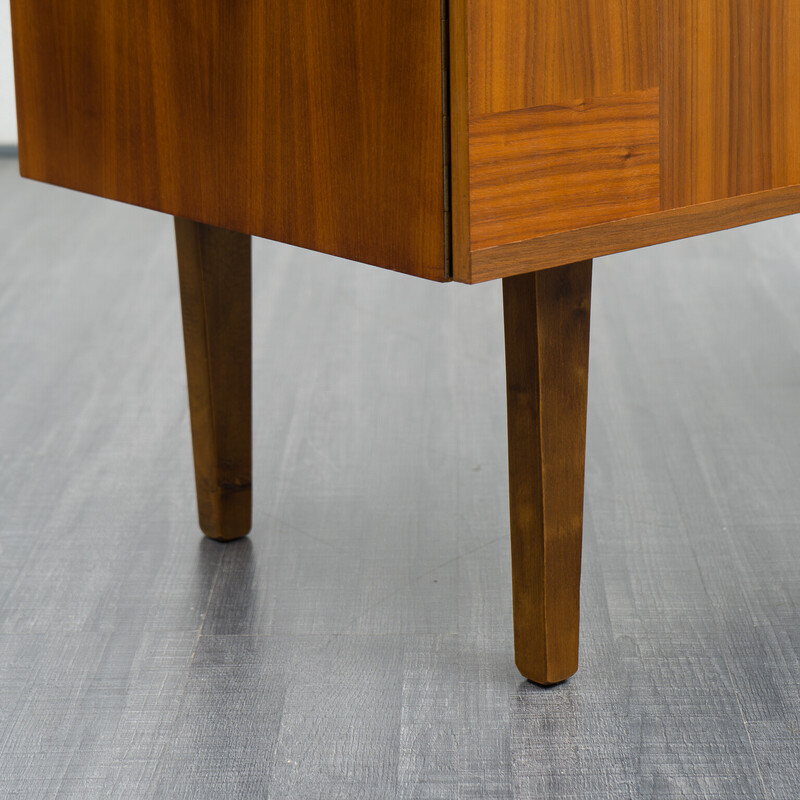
(461, 140)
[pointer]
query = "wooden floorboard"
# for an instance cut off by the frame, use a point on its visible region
(358, 644)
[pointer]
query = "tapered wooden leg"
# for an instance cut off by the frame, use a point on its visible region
(214, 270)
(547, 364)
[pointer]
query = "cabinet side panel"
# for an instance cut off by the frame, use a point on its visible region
(314, 122)
(556, 167)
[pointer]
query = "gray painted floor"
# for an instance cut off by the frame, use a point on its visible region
(358, 645)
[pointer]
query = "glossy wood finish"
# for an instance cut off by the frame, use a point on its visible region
(458, 68)
(315, 122)
(322, 124)
(215, 280)
(731, 109)
(546, 317)
(724, 73)
(587, 160)
(528, 53)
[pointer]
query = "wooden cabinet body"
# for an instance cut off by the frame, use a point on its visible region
(545, 131)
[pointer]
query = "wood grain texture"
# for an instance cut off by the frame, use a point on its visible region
(629, 234)
(546, 320)
(321, 124)
(718, 102)
(459, 93)
(525, 53)
(783, 79)
(316, 123)
(726, 73)
(535, 171)
(215, 280)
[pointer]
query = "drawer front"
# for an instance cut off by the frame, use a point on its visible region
(583, 116)
(314, 122)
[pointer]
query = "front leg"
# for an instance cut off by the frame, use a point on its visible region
(547, 366)
(214, 267)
